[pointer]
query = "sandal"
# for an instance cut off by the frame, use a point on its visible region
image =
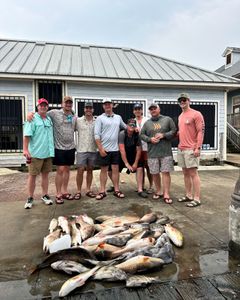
(59, 200)
(67, 196)
(150, 191)
(100, 196)
(90, 194)
(185, 199)
(193, 203)
(77, 196)
(157, 196)
(119, 194)
(167, 200)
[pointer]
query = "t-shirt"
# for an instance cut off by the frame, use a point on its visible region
(63, 129)
(129, 141)
(40, 131)
(139, 126)
(191, 129)
(86, 140)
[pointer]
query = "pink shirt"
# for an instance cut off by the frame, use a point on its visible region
(191, 129)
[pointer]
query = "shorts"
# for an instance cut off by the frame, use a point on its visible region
(85, 159)
(161, 164)
(39, 165)
(186, 159)
(112, 158)
(64, 157)
(131, 162)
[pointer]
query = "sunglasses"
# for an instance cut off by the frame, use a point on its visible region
(182, 100)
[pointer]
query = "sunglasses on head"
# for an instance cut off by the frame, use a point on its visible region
(182, 100)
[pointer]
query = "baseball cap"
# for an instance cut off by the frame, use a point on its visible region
(153, 105)
(137, 105)
(42, 100)
(107, 100)
(183, 95)
(88, 104)
(132, 123)
(67, 98)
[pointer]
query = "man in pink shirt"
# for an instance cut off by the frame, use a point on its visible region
(191, 133)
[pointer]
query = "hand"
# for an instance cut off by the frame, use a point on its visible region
(154, 140)
(134, 167)
(136, 129)
(196, 152)
(26, 153)
(159, 135)
(30, 116)
(129, 167)
(103, 153)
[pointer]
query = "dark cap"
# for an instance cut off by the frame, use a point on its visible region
(88, 104)
(183, 95)
(132, 123)
(42, 100)
(153, 105)
(137, 105)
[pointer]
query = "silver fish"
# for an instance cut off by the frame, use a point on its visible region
(140, 280)
(149, 218)
(50, 238)
(174, 234)
(69, 266)
(63, 223)
(118, 240)
(86, 229)
(75, 282)
(110, 273)
(53, 225)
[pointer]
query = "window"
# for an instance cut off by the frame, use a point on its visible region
(228, 59)
(52, 91)
(11, 120)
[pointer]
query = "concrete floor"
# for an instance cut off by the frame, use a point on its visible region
(205, 230)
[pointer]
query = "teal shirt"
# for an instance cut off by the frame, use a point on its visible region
(40, 131)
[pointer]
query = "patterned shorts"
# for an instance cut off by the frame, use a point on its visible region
(161, 164)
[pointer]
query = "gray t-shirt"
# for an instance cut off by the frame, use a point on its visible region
(63, 129)
(107, 129)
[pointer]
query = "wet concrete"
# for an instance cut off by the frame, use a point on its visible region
(205, 229)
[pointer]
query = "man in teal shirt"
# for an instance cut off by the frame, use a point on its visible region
(38, 148)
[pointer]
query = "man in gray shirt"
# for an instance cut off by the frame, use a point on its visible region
(106, 131)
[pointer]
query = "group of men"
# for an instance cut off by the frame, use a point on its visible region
(106, 141)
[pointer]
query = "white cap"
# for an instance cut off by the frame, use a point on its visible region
(107, 100)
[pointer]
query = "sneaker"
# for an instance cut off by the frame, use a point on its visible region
(47, 200)
(29, 203)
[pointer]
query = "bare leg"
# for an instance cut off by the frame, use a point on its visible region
(66, 174)
(196, 183)
(59, 180)
(157, 182)
(166, 178)
(31, 184)
(187, 182)
(44, 183)
(89, 177)
(139, 177)
(79, 178)
(150, 178)
(115, 177)
(103, 178)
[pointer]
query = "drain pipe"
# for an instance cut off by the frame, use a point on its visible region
(234, 221)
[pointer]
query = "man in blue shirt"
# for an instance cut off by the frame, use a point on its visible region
(38, 148)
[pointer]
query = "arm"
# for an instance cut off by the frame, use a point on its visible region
(138, 155)
(122, 124)
(26, 140)
(146, 138)
(200, 128)
(171, 133)
(124, 157)
(97, 136)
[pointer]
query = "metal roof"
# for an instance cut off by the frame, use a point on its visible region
(233, 70)
(20, 57)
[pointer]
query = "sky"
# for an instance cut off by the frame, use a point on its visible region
(194, 32)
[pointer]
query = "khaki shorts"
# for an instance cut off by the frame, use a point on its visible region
(39, 165)
(186, 159)
(161, 164)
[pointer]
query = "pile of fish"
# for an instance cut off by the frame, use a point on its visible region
(110, 248)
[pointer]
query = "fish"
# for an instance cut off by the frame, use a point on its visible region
(86, 229)
(101, 227)
(87, 219)
(50, 238)
(140, 226)
(143, 234)
(53, 225)
(162, 240)
(149, 218)
(95, 240)
(174, 234)
(120, 221)
(104, 251)
(112, 230)
(103, 218)
(75, 235)
(140, 263)
(163, 220)
(118, 240)
(75, 254)
(63, 223)
(110, 273)
(133, 245)
(140, 281)
(76, 281)
(69, 266)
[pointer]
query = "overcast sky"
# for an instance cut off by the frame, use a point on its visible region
(192, 31)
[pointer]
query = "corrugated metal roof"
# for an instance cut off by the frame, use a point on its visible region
(57, 59)
(233, 70)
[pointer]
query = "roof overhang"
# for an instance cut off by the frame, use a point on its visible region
(132, 82)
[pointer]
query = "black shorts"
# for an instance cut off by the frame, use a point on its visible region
(131, 162)
(64, 157)
(112, 158)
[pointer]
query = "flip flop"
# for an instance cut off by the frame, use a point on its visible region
(119, 194)
(90, 194)
(100, 196)
(77, 196)
(59, 200)
(157, 196)
(193, 203)
(167, 200)
(185, 199)
(67, 196)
